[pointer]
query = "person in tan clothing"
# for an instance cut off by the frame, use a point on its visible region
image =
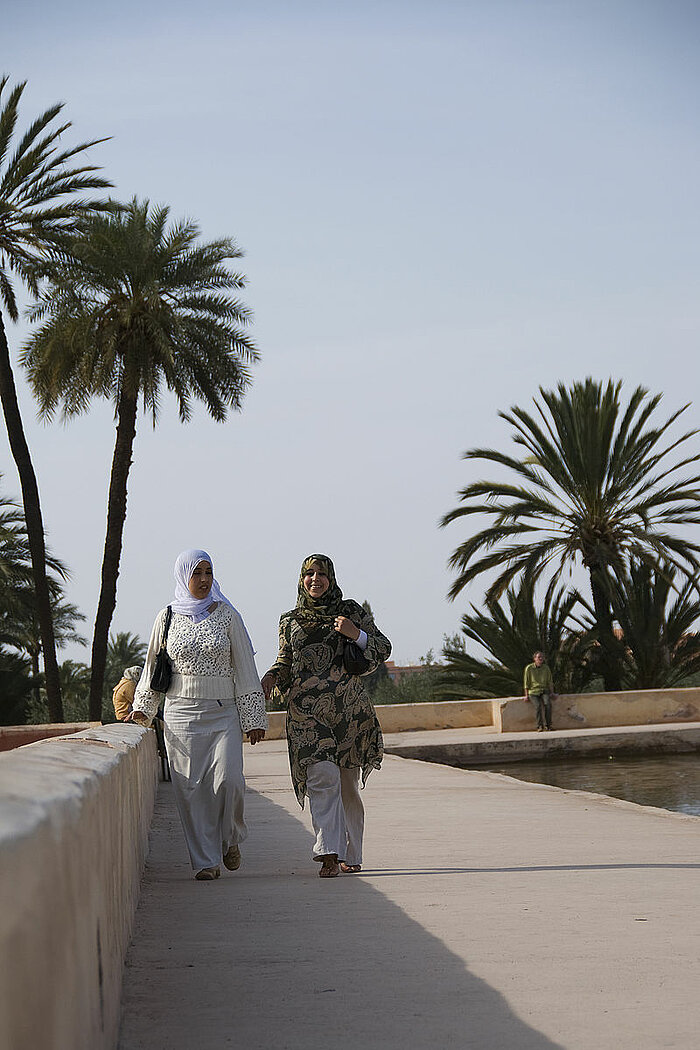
(123, 692)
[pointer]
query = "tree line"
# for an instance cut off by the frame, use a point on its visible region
(126, 305)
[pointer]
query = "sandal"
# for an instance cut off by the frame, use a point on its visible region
(329, 867)
(207, 874)
(232, 858)
(350, 869)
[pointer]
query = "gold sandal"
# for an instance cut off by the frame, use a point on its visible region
(329, 868)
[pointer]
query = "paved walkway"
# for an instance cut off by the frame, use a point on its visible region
(492, 914)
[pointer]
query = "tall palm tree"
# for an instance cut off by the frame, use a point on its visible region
(510, 636)
(598, 483)
(658, 625)
(40, 184)
(132, 306)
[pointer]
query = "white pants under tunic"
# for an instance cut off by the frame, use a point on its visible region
(337, 813)
(205, 750)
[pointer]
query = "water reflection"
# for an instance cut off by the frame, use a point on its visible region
(668, 781)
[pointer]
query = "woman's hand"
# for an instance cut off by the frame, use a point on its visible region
(255, 735)
(347, 628)
(138, 717)
(268, 683)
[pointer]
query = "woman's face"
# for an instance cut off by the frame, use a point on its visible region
(316, 583)
(201, 580)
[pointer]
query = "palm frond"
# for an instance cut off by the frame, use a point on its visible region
(603, 484)
(509, 636)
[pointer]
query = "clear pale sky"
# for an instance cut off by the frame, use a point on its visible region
(443, 206)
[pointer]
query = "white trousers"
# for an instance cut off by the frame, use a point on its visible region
(205, 750)
(337, 813)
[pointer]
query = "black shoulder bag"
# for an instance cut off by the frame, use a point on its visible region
(354, 660)
(163, 670)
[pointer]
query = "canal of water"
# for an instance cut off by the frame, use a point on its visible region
(668, 781)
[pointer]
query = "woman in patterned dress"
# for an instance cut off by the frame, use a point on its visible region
(214, 697)
(332, 729)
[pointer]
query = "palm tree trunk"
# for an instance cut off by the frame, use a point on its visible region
(35, 525)
(609, 646)
(126, 432)
(116, 516)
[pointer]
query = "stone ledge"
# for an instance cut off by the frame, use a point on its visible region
(18, 736)
(74, 818)
(634, 707)
(400, 718)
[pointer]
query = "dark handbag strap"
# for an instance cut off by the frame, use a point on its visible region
(168, 618)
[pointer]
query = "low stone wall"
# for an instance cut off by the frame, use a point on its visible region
(18, 736)
(599, 710)
(74, 819)
(399, 718)
(515, 715)
(275, 728)
(447, 714)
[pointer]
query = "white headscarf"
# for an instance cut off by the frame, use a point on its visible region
(196, 608)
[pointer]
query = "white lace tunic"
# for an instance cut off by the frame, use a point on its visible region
(212, 660)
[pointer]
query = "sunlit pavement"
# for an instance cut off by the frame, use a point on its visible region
(490, 914)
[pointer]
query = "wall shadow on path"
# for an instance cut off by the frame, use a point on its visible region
(382, 872)
(273, 956)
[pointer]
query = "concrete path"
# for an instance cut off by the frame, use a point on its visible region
(491, 914)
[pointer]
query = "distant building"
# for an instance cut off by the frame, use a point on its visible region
(397, 672)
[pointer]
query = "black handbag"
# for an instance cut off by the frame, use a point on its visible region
(163, 669)
(354, 660)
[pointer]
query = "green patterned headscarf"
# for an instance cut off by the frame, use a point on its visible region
(322, 609)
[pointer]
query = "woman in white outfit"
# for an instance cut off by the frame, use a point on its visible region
(332, 730)
(214, 697)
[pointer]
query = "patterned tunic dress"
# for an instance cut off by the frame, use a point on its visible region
(330, 716)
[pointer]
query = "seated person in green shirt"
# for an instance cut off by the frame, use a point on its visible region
(539, 689)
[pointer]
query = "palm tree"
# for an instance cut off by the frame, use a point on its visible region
(19, 622)
(510, 636)
(598, 484)
(75, 683)
(661, 647)
(39, 202)
(124, 650)
(134, 305)
(15, 688)
(22, 629)
(15, 558)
